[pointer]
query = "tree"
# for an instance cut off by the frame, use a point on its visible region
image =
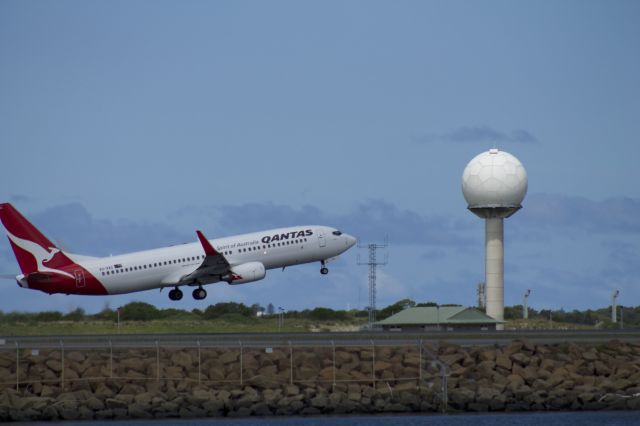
(324, 314)
(139, 311)
(220, 309)
(395, 308)
(255, 308)
(75, 315)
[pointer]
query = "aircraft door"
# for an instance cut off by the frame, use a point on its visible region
(79, 274)
(321, 239)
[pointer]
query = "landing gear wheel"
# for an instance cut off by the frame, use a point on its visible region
(199, 293)
(323, 270)
(175, 294)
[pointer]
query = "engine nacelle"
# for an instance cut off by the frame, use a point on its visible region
(245, 273)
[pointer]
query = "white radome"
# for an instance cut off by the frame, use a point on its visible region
(494, 179)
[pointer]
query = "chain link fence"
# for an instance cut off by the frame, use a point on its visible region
(388, 365)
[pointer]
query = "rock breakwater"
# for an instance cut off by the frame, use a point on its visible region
(216, 382)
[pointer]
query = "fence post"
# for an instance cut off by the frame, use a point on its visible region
(199, 362)
(420, 364)
(445, 390)
(110, 359)
(157, 362)
(62, 359)
(333, 346)
(373, 363)
(291, 361)
(17, 366)
(241, 378)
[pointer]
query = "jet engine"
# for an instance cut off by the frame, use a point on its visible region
(245, 273)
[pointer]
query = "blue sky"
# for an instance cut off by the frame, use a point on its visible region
(126, 125)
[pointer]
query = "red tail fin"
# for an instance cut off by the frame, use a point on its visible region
(31, 247)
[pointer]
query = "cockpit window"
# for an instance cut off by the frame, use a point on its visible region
(337, 233)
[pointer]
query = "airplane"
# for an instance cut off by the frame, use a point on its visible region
(235, 260)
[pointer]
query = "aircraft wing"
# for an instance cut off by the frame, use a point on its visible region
(212, 267)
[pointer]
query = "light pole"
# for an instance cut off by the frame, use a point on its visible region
(614, 306)
(438, 316)
(280, 318)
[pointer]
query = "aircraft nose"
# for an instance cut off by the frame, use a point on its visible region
(351, 241)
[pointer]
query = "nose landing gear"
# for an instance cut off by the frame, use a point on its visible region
(324, 270)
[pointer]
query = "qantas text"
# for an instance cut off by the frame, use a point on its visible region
(292, 235)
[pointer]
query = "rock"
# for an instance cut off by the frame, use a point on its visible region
(514, 381)
(228, 357)
(94, 404)
(191, 412)
(514, 347)
(409, 399)
(410, 385)
(498, 402)
(487, 355)
(590, 355)
(75, 356)
(354, 396)
(320, 401)
(50, 413)
(213, 407)
(520, 358)
(113, 403)
(503, 361)
(139, 411)
(240, 412)
(291, 390)
(478, 407)
(452, 359)
(182, 359)
(484, 395)
(54, 365)
(103, 392)
(381, 365)
(461, 397)
(260, 409)
(263, 382)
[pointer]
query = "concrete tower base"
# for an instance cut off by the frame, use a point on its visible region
(494, 257)
(494, 268)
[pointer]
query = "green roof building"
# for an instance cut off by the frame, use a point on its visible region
(439, 318)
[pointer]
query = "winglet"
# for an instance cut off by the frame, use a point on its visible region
(206, 245)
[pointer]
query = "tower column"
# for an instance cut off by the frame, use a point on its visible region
(494, 268)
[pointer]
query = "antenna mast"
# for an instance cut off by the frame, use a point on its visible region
(373, 264)
(482, 296)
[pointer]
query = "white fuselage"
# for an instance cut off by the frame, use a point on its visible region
(164, 267)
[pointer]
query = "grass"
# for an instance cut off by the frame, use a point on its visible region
(231, 323)
(539, 324)
(226, 324)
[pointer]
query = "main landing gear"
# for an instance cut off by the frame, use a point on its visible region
(199, 293)
(324, 270)
(175, 294)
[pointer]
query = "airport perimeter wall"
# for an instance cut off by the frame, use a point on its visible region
(204, 379)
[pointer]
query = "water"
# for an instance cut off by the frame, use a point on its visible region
(600, 418)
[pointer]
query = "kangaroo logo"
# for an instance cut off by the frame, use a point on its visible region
(41, 254)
